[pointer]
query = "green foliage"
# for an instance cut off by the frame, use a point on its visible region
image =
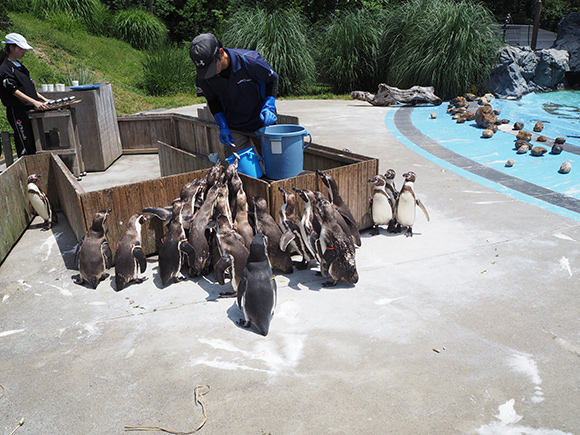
(16, 5)
(281, 39)
(64, 21)
(448, 44)
(168, 71)
(92, 13)
(139, 28)
(350, 50)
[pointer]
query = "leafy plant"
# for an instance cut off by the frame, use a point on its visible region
(167, 71)
(139, 28)
(281, 38)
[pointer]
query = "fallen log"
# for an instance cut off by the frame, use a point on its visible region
(390, 96)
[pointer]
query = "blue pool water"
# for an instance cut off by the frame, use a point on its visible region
(560, 113)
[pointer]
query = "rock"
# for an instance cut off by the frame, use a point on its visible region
(504, 121)
(433, 116)
(470, 97)
(390, 96)
(461, 120)
(489, 97)
(487, 133)
(484, 116)
(556, 149)
(565, 168)
(568, 38)
(470, 116)
(538, 151)
(539, 126)
(560, 140)
(552, 67)
(525, 135)
(541, 138)
(521, 142)
(509, 163)
(523, 149)
(518, 125)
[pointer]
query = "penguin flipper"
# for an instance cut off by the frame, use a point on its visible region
(286, 238)
(140, 257)
(188, 250)
(107, 254)
(161, 213)
(241, 290)
(78, 251)
(422, 207)
(220, 268)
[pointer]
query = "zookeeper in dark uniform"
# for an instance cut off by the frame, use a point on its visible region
(18, 93)
(239, 86)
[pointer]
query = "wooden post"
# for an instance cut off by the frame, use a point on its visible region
(7, 148)
(536, 24)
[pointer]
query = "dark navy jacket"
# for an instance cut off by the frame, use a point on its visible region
(14, 78)
(242, 94)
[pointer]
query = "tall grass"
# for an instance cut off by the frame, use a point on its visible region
(449, 44)
(281, 37)
(168, 71)
(92, 13)
(350, 50)
(139, 28)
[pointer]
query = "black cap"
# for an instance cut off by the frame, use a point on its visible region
(203, 51)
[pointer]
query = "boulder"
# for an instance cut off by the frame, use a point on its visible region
(568, 38)
(551, 69)
(484, 116)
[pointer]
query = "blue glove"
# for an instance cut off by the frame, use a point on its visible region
(268, 113)
(225, 135)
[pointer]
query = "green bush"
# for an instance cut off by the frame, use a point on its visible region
(92, 13)
(16, 5)
(282, 40)
(448, 44)
(168, 71)
(139, 28)
(65, 21)
(350, 50)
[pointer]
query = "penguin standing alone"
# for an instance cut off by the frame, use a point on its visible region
(94, 253)
(406, 202)
(40, 202)
(130, 257)
(257, 292)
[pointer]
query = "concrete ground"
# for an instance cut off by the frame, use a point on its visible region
(469, 327)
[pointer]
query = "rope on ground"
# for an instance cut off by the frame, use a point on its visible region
(198, 400)
(20, 423)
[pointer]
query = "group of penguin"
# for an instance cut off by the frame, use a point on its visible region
(213, 227)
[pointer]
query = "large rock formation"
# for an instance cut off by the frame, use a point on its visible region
(568, 38)
(390, 96)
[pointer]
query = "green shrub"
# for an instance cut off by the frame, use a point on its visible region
(282, 40)
(64, 21)
(16, 5)
(350, 50)
(92, 13)
(448, 44)
(168, 71)
(139, 28)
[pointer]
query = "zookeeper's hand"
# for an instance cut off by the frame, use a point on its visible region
(225, 135)
(268, 113)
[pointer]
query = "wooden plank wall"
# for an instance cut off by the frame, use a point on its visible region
(140, 133)
(69, 191)
(175, 161)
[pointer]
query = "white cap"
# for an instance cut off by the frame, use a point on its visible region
(18, 39)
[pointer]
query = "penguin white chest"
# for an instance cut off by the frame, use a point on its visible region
(381, 209)
(406, 209)
(38, 202)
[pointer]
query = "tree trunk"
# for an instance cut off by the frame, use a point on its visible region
(390, 96)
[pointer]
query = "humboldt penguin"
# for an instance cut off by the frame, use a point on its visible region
(129, 257)
(406, 205)
(265, 223)
(390, 186)
(257, 293)
(40, 202)
(189, 195)
(335, 248)
(340, 205)
(175, 246)
(234, 255)
(382, 205)
(241, 221)
(290, 225)
(94, 253)
(310, 221)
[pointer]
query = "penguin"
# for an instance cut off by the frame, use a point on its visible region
(382, 205)
(335, 248)
(265, 223)
(129, 257)
(189, 195)
(175, 246)
(234, 182)
(221, 205)
(234, 255)
(257, 292)
(406, 202)
(40, 202)
(340, 205)
(310, 222)
(390, 186)
(291, 232)
(94, 253)
(241, 221)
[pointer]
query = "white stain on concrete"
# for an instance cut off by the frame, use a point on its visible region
(505, 425)
(564, 237)
(7, 333)
(528, 367)
(5, 297)
(565, 264)
(47, 247)
(63, 291)
(565, 344)
(130, 353)
(387, 301)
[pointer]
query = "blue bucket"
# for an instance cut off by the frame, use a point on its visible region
(249, 163)
(283, 150)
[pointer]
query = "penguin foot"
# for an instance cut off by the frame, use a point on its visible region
(78, 279)
(244, 323)
(329, 283)
(228, 294)
(374, 231)
(140, 280)
(301, 265)
(409, 232)
(104, 276)
(392, 228)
